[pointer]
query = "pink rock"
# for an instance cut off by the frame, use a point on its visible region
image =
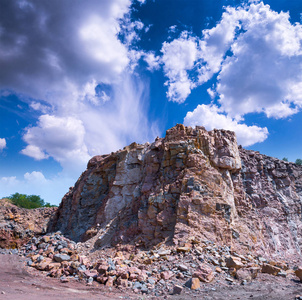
(204, 273)
(166, 275)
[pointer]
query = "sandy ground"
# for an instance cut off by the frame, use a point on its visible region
(20, 282)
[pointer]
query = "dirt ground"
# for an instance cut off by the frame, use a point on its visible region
(20, 282)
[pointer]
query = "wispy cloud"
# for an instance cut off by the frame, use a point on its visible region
(2, 143)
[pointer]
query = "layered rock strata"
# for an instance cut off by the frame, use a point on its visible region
(191, 185)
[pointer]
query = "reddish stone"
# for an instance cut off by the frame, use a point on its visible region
(204, 273)
(166, 275)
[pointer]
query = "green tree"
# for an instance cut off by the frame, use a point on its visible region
(285, 158)
(298, 162)
(28, 201)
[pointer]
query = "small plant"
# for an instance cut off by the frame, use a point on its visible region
(28, 201)
(298, 162)
(285, 158)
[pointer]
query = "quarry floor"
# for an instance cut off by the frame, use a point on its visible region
(20, 282)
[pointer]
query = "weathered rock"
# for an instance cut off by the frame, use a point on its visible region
(183, 268)
(298, 273)
(166, 275)
(246, 274)
(204, 273)
(233, 262)
(110, 281)
(193, 283)
(177, 289)
(61, 257)
(269, 269)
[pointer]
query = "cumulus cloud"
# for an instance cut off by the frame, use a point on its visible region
(35, 176)
(211, 117)
(60, 138)
(34, 152)
(2, 143)
(178, 58)
(263, 74)
(256, 54)
(152, 60)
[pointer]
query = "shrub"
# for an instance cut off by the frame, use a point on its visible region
(298, 162)
(285, 158)
(28, 201)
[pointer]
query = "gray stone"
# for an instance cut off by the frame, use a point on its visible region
(183, 268)
(61, 257)
(177, 289)
(90, 280)
(144, 289)
(40, 258)
(30, 262)
(137, 285)
(151, 281)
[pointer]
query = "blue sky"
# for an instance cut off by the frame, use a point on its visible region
(82, 78)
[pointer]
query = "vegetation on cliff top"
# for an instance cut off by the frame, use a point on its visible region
(28, 201)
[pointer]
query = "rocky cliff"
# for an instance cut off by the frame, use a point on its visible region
(191, 185)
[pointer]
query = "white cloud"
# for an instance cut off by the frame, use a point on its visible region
(2, 143)
(178, 58)
(35, 176)
(211, 117)
(40, 107)
(80, 52)
(34, 152)
(256, 53)
(264, 72)
(152, 61)
(60, 138)
(84, 129)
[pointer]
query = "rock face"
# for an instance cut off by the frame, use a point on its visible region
(190, 185)
(18, 225)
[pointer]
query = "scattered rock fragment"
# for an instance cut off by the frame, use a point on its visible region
(177, 289)
(269, 269)
(204, 273)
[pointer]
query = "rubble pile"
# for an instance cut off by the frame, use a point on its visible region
(18, 225)
(160, 271)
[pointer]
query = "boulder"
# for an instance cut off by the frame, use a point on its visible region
(298, 273)
(204, 273)
(270, 269)
(233, 262)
